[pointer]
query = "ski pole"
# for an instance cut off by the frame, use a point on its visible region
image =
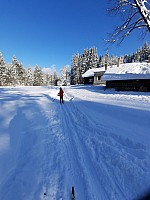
(54, 98)
(66, 96)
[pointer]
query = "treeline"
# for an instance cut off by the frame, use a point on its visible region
(89, 59)
(140, 55)
(15, 74)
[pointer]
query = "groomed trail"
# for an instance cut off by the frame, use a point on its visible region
(50, 147)
(91, 155)
(71, 160)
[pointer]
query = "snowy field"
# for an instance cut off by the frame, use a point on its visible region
(97, 141)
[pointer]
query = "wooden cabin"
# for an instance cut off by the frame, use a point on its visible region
(93, 76)
(128, 77)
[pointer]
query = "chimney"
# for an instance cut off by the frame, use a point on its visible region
(118, 63)
(149, 59)
(106, 66)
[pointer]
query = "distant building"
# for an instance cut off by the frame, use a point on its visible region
(93, 76)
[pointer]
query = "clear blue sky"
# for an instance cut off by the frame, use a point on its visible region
(47, 32)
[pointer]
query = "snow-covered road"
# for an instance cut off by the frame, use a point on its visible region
(98, 142)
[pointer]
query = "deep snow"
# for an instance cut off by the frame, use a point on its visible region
(97, 141)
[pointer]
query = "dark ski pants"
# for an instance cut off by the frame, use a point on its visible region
(61, 100)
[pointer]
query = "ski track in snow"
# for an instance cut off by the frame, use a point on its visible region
(106, 150)
(55, 147)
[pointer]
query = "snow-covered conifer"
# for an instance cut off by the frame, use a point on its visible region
(29, 77)
(81, 63)
(17, 72)
(2, 70)
(65, 75)
(74, 66)
(38, 76)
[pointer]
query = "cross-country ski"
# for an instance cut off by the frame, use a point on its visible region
(73, 193)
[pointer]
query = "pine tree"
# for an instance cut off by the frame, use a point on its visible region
(46, 79)
(145, 51)
(81, 63)
(141, 54)
(74, 67)
(2, 70)
(29, 77)
(55, 78)
(38, 76)
(101, 61)
(9, 78)
(93, 57)
(65, 75)
(81, 69)
(17, 72)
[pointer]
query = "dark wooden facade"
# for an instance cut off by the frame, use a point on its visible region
(89, 80)
(142, 85)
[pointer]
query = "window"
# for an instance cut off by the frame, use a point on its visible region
(90, 80)
(99, 78)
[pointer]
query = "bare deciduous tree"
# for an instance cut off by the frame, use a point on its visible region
(135, 14)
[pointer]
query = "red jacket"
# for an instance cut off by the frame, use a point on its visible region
(61, 93)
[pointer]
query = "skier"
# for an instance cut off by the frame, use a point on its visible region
(61, 93)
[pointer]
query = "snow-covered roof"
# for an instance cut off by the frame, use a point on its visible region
(90, 72)
(127, 71)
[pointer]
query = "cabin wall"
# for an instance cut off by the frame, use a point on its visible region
(142, 85)
(97, 78)
(88, 80)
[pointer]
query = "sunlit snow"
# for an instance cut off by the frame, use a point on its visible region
(97, 141)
